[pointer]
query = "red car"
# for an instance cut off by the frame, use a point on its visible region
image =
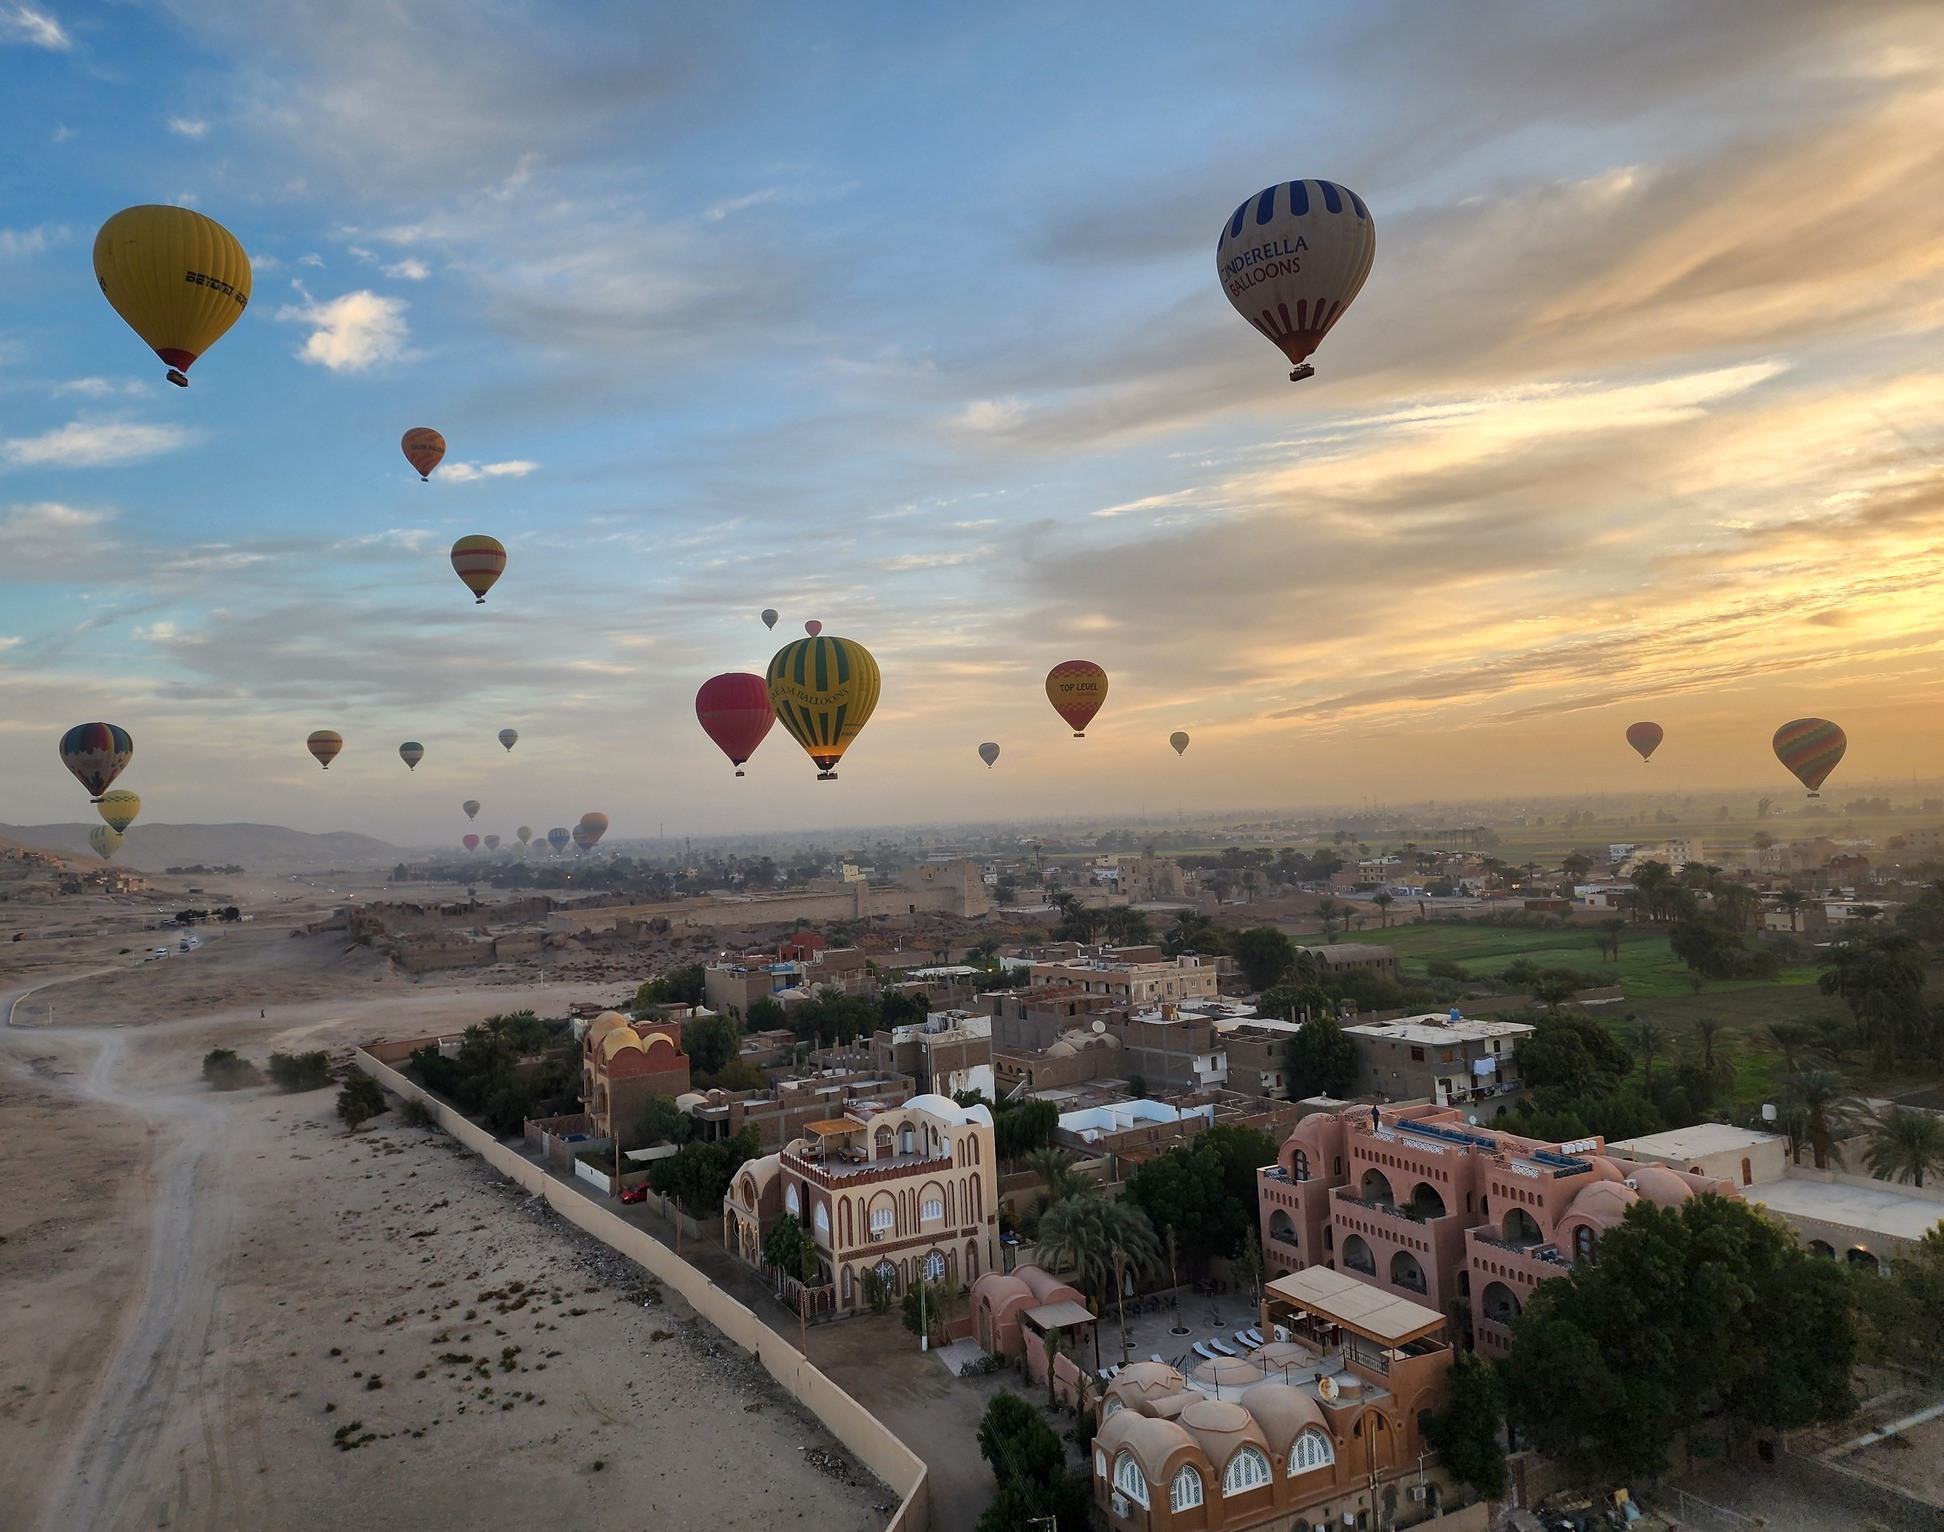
(634, 1194)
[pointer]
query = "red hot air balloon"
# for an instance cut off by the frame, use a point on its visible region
(734, 711)
(423, 448)
(813, 627)
(1645, 737)
(1810, 748)
(1076, 688)
(470, 842)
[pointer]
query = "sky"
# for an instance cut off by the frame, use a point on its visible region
(907, 321)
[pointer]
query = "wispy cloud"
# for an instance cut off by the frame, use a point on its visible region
(467, 473)
(18, 242)
(351, 333)
(411, 269)
(94, 444)
(32, 27)
(189, 127)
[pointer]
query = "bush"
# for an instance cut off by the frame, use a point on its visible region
(1444, 968)
(362, 1097)
(293, 1072)
(414, 1113)
(223, 1070)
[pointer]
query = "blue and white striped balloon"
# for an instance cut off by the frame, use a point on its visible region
(1292, 259)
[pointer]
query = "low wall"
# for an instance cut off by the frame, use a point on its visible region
(847, 1420)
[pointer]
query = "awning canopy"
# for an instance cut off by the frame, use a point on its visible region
(1356, 1306)
(1059, 1316)
(830, 1126)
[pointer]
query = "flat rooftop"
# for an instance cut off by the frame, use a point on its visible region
(1437, 1030)
(1692, 1143)
(1867, 1209)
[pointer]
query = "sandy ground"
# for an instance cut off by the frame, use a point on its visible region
(237, 1316)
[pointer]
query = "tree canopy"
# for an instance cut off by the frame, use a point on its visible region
(1205, 1190)
(1320, 1060)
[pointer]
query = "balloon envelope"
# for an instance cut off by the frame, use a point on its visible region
(479, 561)
(584, 838)
(734, 711)
(178, 278)
(1179, 739)
(471, 806)
(1645, 737)
(325, 745)
(423, 448)
(509, 737)
(105, 840)
(823, 690)
(118, 809)
(492, 843)
(411, 753)
(96, 753)
(1292, 258)
(525, 833)
(470, 842)
(1076, 688)
(558, 836)
(1810, 748)
(813, 627)
(595, 825)
(988, 752)
(769, 616)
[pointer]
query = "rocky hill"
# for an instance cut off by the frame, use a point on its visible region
(257, 848)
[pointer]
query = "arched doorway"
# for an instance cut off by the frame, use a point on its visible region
(1406, 1272)
(1376, 1187)
(1499, 1303)
(1426, 1202)
(1357, 1256)
(1521, 1228)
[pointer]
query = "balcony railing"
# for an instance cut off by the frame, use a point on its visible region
(1277, 1173)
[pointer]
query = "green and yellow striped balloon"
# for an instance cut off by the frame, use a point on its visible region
(1810, 747)
(823, 690)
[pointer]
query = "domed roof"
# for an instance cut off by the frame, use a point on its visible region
(764, 1170)
(690, 1098)
(1661, 1186)
(1151, 1442)
(1605, 1169)
(1062, 1050)
(614, 1041)
(1284, 1413)
(1001, 1288)
(1604, 1203)
(606, 1022)
(1046, 1287)
(657, 1039)
(1227, 1376)
(1219, 1428)
(1144, 1381)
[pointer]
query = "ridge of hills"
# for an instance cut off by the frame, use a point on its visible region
(259, 848)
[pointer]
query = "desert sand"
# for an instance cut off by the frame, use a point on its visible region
(230, 1313)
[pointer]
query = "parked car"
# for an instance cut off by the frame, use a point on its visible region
(634, 1193)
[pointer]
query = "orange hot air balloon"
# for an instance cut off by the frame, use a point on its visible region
(1811, 749)
(325, 745)
(595, 824)
(1076, 688)
(1645, 737)
(424, 449)
(479, 561)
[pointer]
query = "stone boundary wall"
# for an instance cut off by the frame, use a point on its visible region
(853, 1425)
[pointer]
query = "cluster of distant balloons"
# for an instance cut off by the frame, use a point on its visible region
(1291, 259)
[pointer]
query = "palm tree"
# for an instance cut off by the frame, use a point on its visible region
(1383, 901)
(1734, 903)
(1084, 1232)
(1328, 910)
(1719, 1070)
(1791, 1038)
(1647, 1040)
(1904, 1145)
(1880, 977)
(1818, 1095)
(1792, 900)
(1793, 1125)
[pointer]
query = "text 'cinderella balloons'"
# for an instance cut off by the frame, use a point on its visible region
(178, 278)
(509, 737)
(1179, 739)
(1292, 258)
(824, 690)
(734, 711)
(1811, 749)
(1646, 738)
(411, 753)
(325, 745)
(479, 561)
(1076, 688)
(558, 837)
(424, 449)
(988, 752)
(96, 753)
(119, 809)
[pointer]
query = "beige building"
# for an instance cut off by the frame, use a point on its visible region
(906, 1192)
(1132, 979)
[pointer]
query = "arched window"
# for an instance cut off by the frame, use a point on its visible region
(1186, 1491)
(1748, 1173)
(823, 1220)
(1376, 1187)
(934, 1267)
(1311, 1450)
(1301, 1165)
(1247, 1470)
(1357, 1256)
(1100, 1464)
(1109, 1410)
(1406, 1272)
(907, 1140)
(790, 1203)
(1583, 1242)
(847, 1284)
(1128, 1480)
(932, 1210)
(883, 1221)
(1521, 1228)
(1281, 1228)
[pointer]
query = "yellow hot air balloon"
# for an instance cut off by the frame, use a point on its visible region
(479, 560)
(823, 690)
(118, 809)
(106, 841)
(179, 279)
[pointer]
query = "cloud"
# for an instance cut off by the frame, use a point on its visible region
(97, 388)
(48, 539)
(411, 269)
(19, 242)
(189, 127)
(352, 333)
(94, 444)
(467, 473)
(33, 27)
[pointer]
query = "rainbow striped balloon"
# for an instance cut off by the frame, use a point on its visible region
(1811, 749)
(96, 753)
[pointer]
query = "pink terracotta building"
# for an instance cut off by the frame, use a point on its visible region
(1467, 1220)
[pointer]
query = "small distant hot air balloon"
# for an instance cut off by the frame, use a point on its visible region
(1179, 739)
(471, 806)
(470, 842)
(492, 843)
(178, 278)
(813, 627)
(479, 561)
(584, 838)
(509, 737)
(769, 616)
(411, 753)
(524, 834)
(325, 745)
(1810, 748)
(734, 711)
(1292, 259)
(96, 753)
(105, 840)
(1645, 737)
(558, 837)
(823, 690)
(1076, 688)
(988, 752)
(595, 825)
(118, 809)
(423, 448)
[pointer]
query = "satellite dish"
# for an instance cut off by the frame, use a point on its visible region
(1472, 1118)
(1099, 1026)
